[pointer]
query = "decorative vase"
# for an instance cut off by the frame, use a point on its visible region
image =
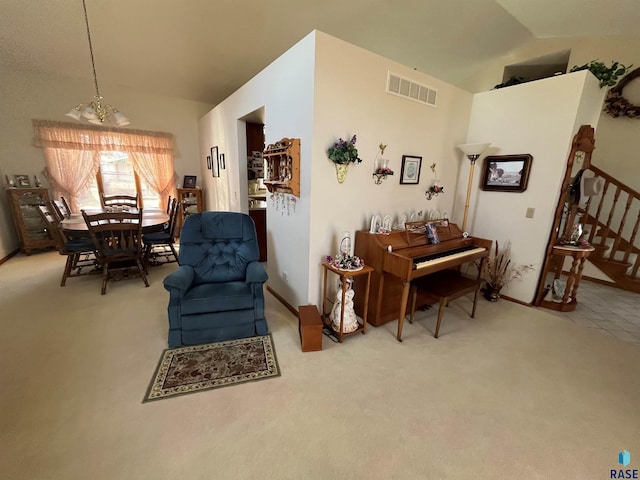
(341, 171)
(491, 293)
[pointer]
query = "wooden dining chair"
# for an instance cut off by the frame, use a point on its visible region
(130, 201)
(159, 246)
(60, 209)
(67, 209)
(80, 252)
(117, 237)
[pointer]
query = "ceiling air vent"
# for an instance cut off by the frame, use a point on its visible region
(397, 85)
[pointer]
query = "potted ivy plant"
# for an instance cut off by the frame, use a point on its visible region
(608, 76)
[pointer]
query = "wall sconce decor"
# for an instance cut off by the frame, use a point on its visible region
(381, 166)
(436, 188)
(434, 191)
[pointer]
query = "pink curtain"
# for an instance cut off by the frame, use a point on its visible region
(71, 155)
(70, 172)
(153, 162)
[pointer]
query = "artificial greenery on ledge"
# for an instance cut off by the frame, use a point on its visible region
(608, 76)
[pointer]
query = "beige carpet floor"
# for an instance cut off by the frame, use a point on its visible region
(514, 393)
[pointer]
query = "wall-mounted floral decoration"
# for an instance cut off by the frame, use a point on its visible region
(616, 105)
(343, 154)
(436, 187)
(381, 166)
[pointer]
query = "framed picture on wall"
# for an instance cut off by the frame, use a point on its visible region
(410, 173)
(506, 173)
(189, 181)
(22, 181)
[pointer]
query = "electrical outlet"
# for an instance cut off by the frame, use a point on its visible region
(285, 276)
(530, 212)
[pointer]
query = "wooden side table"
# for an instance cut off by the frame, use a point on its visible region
(579, 255)
(344, 275)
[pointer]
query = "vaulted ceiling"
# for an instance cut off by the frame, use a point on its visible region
(205, 49)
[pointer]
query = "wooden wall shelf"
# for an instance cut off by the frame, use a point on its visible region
(283, 166)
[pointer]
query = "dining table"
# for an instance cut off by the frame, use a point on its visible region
(153, 220)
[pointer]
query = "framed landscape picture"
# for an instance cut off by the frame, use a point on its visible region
(506, 173)
(410, 173)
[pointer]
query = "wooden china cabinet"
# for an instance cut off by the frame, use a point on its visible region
(191, 201)
(24, 203)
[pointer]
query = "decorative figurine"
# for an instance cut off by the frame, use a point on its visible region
(350, 320)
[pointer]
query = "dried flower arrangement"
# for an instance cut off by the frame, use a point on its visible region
(500, 272)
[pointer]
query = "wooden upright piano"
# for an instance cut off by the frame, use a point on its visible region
(402, 256)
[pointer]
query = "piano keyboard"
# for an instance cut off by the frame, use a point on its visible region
(446, 256)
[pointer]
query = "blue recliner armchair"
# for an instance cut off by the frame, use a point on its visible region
(216, 293)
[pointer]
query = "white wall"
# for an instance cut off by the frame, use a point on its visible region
(27, 95)
(539, 118)
(615, 147)
(351, 98)
(341, 94)
(285, 90)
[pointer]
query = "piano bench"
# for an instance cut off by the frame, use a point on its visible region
(446, 286)
(310, 328)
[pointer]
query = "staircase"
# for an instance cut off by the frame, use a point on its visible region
(612, 220)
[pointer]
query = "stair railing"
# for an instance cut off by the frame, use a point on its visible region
(617, 213)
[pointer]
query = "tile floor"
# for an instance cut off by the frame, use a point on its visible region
(612, 310)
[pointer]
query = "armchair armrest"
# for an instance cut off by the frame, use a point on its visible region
(180, 280)
(256, 273)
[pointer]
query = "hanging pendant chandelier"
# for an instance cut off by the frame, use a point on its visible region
(96, 111)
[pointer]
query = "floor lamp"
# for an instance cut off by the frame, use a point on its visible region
(472, 151)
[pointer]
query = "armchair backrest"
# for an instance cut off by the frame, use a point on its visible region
(218, 245)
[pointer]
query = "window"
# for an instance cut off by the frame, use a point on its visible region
(82, 161)
(117, 177)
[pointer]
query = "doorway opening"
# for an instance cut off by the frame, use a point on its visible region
(256, 191)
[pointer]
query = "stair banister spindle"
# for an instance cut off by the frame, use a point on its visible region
(632, 240)
(607, 229)
(623, 220)
(634, 270)
(596, 225)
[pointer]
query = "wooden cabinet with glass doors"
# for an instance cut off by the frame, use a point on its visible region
(24, 203)
(191, 201)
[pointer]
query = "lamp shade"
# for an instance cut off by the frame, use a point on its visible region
(89, 113)
(74, 113)
(120, 119)
(473, 149)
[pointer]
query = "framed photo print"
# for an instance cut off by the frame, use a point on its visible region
(410, 173)
(506, 173)
(22, 181)
(189, 181)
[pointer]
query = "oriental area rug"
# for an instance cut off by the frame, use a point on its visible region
(204, 367)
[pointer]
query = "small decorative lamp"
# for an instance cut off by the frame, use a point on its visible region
(473, 152)
(345, 244)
